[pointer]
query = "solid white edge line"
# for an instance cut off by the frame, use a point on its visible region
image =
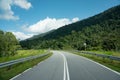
(101, 65)
(20, 74)
(15, 77)
(26, 70)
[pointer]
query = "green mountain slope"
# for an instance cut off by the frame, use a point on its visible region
(108, 15)
(98, 32)
(40, 35)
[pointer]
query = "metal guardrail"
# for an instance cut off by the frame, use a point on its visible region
(101, 55)
(9, 63)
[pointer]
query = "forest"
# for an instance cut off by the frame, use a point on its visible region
(99, 32)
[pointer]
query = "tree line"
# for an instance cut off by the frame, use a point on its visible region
(95, 37)
(8, 44)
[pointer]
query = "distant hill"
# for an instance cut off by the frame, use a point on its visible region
(40, 35)
(101, 31)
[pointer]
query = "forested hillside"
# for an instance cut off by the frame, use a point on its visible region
(101, 31)
(8, 44)
(40, 35)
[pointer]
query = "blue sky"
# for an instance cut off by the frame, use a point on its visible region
(30, 17)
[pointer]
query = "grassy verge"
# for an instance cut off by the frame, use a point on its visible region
(115, 65)
(9, 72)
(113, 53)
(22, 54)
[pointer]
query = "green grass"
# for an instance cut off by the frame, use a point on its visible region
(113, 53)
(115, 65)
(22, 54)
(9, 72)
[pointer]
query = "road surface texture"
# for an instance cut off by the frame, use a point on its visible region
(66, 66)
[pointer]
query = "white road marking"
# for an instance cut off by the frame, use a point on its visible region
(20, 74)
(100, 65)
(26, 70)
(66, 70)
(15, 77)
(68, 77)
(64, 77)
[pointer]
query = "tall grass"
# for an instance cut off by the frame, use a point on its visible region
(113, 53)
(22, 54)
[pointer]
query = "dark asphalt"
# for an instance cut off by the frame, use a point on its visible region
(79, 68)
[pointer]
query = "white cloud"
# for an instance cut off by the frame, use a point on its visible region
(21, 35)
(43, 26)
(48, 24)
(8, 15)
(6, 11)
(75, 19)
(22, 3)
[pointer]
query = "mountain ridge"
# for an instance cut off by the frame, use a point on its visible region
(105, 22)
(83, 22)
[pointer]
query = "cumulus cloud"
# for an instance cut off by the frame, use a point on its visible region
(43, 26)
(6, 11)
(48, 24)
(21, 35)
(22, 3)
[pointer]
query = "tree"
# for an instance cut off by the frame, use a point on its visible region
(8, 44)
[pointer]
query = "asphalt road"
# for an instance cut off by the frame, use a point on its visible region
(66, 66)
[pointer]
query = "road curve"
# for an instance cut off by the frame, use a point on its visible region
(66, 66)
